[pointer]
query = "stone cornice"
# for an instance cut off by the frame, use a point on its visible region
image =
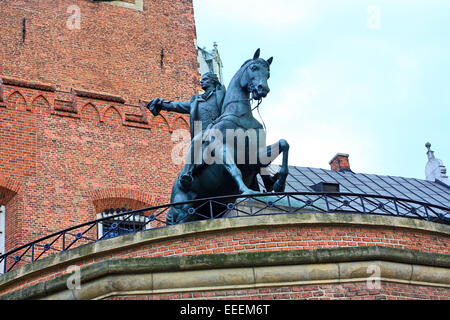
(244, 270)
(27, 84)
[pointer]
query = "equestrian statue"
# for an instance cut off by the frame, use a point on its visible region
(229, 151)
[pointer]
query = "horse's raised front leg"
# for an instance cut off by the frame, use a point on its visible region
(277, 182)
(234, 171)
(280, 184)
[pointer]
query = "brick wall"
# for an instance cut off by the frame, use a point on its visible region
(348, 291)
(263, 239)
(116, 49)
(65, 157)
(302, 238)
(80, 145)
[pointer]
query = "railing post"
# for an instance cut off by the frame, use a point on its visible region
(362, 204)
(211, 213)
(396, 207)
(289, 203)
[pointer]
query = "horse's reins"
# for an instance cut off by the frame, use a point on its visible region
(257, 107)
(248, 100)
(242, 100)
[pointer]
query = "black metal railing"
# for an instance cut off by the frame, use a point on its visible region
(233, 206)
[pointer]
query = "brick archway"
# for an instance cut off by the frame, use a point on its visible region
(11, 198)
(121, 198)
(8, 189)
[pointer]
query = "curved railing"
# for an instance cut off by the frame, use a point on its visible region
(233, 206)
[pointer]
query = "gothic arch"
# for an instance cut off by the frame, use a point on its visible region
(40, 103)
(90, 113)
(16, 98)
(112, 116)
(180, 123)
(160, 121)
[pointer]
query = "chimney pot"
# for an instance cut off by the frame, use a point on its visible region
(340, 163)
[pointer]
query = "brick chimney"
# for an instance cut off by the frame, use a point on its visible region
(340, 163)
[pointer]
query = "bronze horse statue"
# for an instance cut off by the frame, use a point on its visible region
(231, 176)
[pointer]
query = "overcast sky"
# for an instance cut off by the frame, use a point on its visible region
(367, 78)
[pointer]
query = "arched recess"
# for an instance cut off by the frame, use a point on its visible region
(112, 116)
(90, 113)
(117, 198)
(110, 202)
(40, 104)
(8, 189)
(17, 101)
(161, 123)
(180, 123)
(11, 203)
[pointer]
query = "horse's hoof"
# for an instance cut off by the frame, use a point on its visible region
(186, 181)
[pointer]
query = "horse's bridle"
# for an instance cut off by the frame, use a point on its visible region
(241, 100)
(244, 100)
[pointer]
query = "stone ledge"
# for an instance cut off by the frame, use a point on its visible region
(97, 96)
(139, 239)
(27, 84)
(244, 270)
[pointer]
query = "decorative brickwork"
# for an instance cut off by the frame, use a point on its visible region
(70, 131)
(64, 157)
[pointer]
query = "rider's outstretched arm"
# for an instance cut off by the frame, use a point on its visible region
(157, 104)
(179, 106)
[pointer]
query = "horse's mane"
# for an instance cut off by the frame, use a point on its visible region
(246, 63)
(258, 60)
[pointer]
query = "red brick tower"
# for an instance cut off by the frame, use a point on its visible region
(136, 51)
(72, 140)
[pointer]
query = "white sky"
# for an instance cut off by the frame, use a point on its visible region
(368, 78)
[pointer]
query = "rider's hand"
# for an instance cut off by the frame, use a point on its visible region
(155, 106)
(154, 102)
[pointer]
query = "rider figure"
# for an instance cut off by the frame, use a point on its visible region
(205, 108)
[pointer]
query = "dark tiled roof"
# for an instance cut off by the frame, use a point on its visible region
(301, 179)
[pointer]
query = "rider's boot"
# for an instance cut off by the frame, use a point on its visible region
(186, 179)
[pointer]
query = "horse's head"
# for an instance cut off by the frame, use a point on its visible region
(256, 72)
